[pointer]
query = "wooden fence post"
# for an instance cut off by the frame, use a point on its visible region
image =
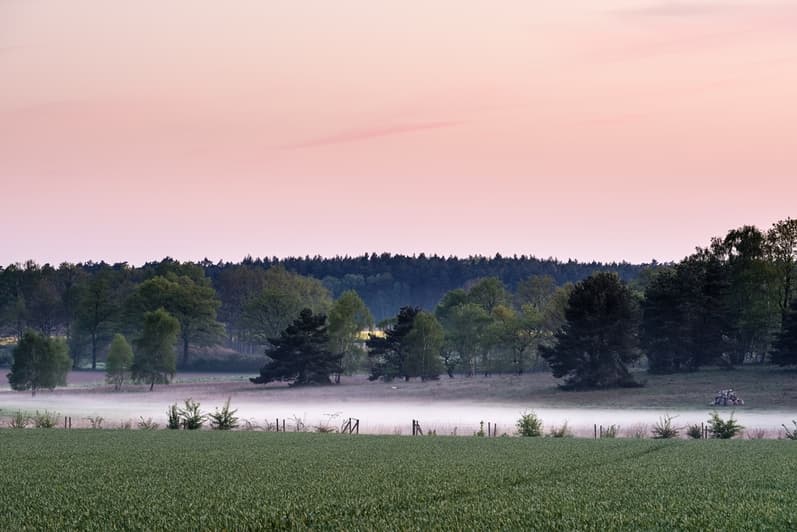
(595, 430)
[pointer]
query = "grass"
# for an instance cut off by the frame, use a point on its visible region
(105, 480)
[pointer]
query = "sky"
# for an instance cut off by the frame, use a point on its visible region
(588, 129)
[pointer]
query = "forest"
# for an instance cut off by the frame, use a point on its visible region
(392, 316)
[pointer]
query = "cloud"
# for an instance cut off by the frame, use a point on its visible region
(370, 133)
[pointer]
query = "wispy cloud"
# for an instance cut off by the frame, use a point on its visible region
(370, 133)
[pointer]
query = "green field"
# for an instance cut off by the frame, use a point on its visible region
(114, 479)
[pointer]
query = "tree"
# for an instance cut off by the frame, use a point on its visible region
(599, 338)
(193, 303)
(283, 296)
(120, 360)
(488, 293)
(39, 362)
(347, 318)
(301, 353)
(96, 311)
(782, 248)
(466, 328)
(423, 345)
(388, 352)
(784, 351)
(155, 357)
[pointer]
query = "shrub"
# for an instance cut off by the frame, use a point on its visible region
(694, 431)
(191, 418)
(45, 420)
(529, 425)
(561, 432)
(664, 429)
(19, 421)
(126, 425)
(791, 434)
(756, 434)
(481, 432)
(722, 429)
(224, 419)
(173, 415)
(146, 424)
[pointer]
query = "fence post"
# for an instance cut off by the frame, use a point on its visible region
(283, 425)
(595, 430)
(70, 422)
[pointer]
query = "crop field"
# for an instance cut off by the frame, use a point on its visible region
(178, 480)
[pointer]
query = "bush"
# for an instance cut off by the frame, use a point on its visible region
(664, 429)
(529, 425)
(19, 421)
(224, 419)
(722, 429)
(147, 424)
(561, 432)
(191, 418)
(173, 417)
(694, 431)
(791, 434)
(45, 420)
(96, 422)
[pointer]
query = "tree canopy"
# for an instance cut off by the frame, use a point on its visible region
(39, 362)
(599, 338)
(155, 359)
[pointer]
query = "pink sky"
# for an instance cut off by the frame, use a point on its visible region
(591, 129)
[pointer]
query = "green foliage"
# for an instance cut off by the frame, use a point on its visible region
(695, 431)
(256, 480)
(784, 351)
(347, 318)
(190, 300)
(600, 337)
(423, 344)
(96, 311)
(155, 358)
(224, 419)
(723, 429)
(191, 417)
(46, 419)
(664, 429)
(39, 362)
(173, 417)
(560, 432)
(19, 420)
(95, 422)
(301, 353)
(529, 425)
(119, 362)
(148, 424)
(791, 434)
(388, 353)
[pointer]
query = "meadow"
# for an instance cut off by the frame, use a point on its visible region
(106, 480)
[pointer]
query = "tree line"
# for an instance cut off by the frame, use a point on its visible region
(728, 304)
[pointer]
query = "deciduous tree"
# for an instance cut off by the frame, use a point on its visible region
(39, 362)
(155, 357)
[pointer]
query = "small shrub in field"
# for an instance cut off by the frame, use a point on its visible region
(45, 420)
(126, 425)
(19, 421)
(146, 424)
(224, 419)
(722, 429)
(191, 418)
(560, 432)
(610, 431)
(791, 434)
(756, 434)
(638, 431)
(251, 425)
(480, 432)
(173, 417)
(694, 431)
(95, 422)
(664, 429)
(529, 425)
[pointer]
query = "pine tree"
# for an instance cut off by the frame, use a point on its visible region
(599, 338)
(301, 353)
(388, 353)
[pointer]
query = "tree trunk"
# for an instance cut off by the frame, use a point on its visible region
(185, 352)
(152, 384)
(94, 350)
